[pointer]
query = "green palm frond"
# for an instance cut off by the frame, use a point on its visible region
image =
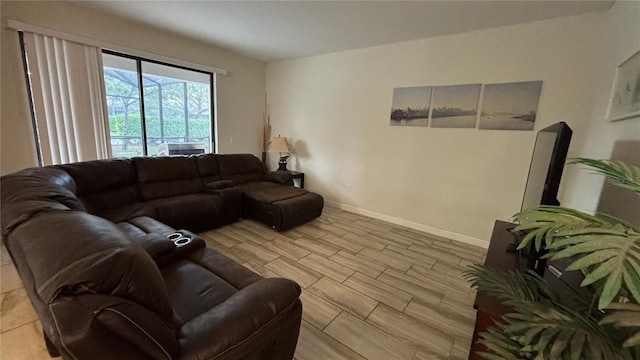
(543, 223)
(541, 327)
(617, 172)
(626, 316)
(508, 286)
(611, 255)
(502, 346)
(607, 250)
(559, 332)
(515, 287)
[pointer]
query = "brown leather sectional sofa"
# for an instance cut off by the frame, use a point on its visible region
(91, 243)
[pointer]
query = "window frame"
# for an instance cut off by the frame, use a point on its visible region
(212, 92)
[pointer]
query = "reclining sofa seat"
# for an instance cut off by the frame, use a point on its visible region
(102, 296)
(173, 187)
(264, 198)
(109, 189)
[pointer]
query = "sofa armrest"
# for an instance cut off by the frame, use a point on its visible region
(87, 326)
(280, 177)
(231, 199)
(242, 322)
(157, 245)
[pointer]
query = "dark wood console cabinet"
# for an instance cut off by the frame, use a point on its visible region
(489, 308)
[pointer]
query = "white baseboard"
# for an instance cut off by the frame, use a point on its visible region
(412, 225)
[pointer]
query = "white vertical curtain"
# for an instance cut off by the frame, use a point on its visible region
(69, 99)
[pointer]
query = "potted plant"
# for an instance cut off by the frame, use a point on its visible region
(547, 325)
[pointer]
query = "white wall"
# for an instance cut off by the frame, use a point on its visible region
(335, 109)
(620, 40)
(240, 101)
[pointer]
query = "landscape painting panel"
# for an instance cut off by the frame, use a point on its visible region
(510, 106)
(410, 106)
(455, 106)
(625, 97)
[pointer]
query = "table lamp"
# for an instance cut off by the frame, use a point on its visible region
(280, 145)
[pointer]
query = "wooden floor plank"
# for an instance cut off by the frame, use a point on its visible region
(287, 249)
(345, 244)
(418, 333)
(318, 247)
(294, 271)
(368, 340)
(378, 290)
(357, 263)
(317, 311)
(314, 344)
(326, 267)
(348, 299)
(411, 285)
(449, 323)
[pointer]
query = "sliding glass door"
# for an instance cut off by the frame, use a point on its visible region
(176, 106)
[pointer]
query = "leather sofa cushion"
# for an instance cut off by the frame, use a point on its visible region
(163, 177)
(50, 175)
(182, 211)
(193, 289)
(30, 192)
(270, 195)
(74, 259)
(208, 167)
(165, 168)
(240, 168)
(224, 267)
(104, 184)
(128, 211)
(98, 202)
(299, 206)
(204, 280)
(253, 312)
(257, 185)
(101, 175)
(142, 225)
(165, 189)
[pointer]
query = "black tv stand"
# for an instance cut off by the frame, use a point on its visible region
(490, 309)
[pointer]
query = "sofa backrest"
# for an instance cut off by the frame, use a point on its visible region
(29, 192)
(208, 168)
(240, 168)
(104, 184)
(160, 177)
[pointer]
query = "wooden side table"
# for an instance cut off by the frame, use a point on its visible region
(298, 175)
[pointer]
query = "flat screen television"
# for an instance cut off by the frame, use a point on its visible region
(545, 172)
(547, 163)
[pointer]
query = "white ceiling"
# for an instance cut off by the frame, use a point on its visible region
(277, 30)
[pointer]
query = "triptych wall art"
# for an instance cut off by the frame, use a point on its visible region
(507, 106)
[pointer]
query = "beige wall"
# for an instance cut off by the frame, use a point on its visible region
(240, 94)
(619, 40)
(453, 182)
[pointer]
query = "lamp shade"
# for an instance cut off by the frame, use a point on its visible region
(278, 144)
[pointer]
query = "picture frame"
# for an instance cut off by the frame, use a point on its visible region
(624, 102)
(410, 106)
(510, 106)
(455, 106)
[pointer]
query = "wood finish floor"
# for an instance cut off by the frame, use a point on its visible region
(371, 289)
